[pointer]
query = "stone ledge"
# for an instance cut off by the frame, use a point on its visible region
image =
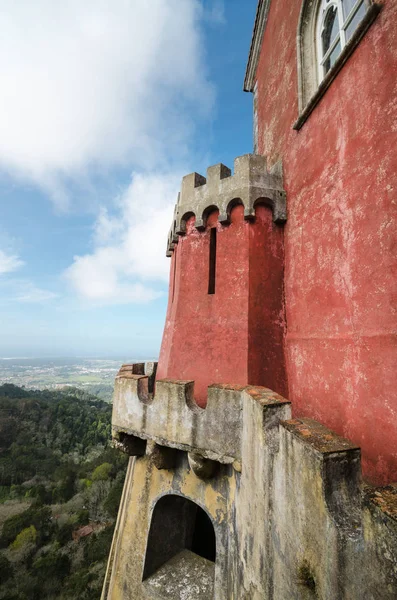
(176, 445)
(385, 499)
(319, 438)
(264, 396)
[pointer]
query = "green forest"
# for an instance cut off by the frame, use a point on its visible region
(60, 488)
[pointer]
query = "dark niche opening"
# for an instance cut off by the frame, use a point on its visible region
(212, 262)
(178, 524)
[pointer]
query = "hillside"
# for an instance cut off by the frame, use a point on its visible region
(60, 486)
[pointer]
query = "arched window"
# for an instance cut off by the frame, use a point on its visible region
(336, 22)
(328, 33)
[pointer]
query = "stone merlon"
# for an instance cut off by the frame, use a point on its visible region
(172, 418)
(221, 190)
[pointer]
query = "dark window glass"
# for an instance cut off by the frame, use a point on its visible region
(331, 28)
(332, 57)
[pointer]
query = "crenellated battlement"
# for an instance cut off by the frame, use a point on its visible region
(251, 183)
(284, 497)
(172, 418)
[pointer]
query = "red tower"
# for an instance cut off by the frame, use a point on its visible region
(287, 512)
(336, 138)
(225, 318)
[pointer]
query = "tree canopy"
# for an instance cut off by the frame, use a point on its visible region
(55, 455)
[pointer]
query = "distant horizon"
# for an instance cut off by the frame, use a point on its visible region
(70, 357)
(88, 195)
(94, 375)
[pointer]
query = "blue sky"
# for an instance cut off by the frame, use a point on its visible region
(104, 106)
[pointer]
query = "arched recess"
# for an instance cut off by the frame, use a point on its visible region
(180, 527)
(226, 219)
(268, 202)
(182, 225)
(206, 213)
(276, 204)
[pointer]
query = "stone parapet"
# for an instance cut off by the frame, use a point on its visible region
(250, 183)
(171, 417)
(291, 516)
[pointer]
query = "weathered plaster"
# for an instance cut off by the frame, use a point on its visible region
(295, 521)
(340, 175)
(236, 333)
(172, 418)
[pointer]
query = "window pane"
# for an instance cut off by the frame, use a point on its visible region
(347, 6)
(331, 28)
(332, 58)
(350, 29)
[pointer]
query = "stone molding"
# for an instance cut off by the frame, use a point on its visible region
(251, 183)
(262, 13)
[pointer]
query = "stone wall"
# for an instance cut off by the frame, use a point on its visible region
(291, 515)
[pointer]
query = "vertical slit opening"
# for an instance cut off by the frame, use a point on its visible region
(174, 277)
(212, 262)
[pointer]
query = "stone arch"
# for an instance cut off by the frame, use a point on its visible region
(206, 213)
(181, 230)
(264, 201)
(230, 206)
(181, 531)
(276, 201)
(307, 52)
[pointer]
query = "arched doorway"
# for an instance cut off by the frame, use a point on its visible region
(181, 550)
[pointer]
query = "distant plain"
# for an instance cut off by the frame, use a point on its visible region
(94, 375)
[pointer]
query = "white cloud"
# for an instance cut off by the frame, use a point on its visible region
(30, 293)
(9, 262)
(23, 290)
(89, 86)
(93, 86)
(128, 262)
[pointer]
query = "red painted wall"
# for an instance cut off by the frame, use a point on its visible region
(340, 174)
(236, 334)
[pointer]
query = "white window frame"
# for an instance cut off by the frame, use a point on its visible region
(324, 7)
(312, 82)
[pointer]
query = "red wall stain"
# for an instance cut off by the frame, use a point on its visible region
(235, 335)
(340, 174)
